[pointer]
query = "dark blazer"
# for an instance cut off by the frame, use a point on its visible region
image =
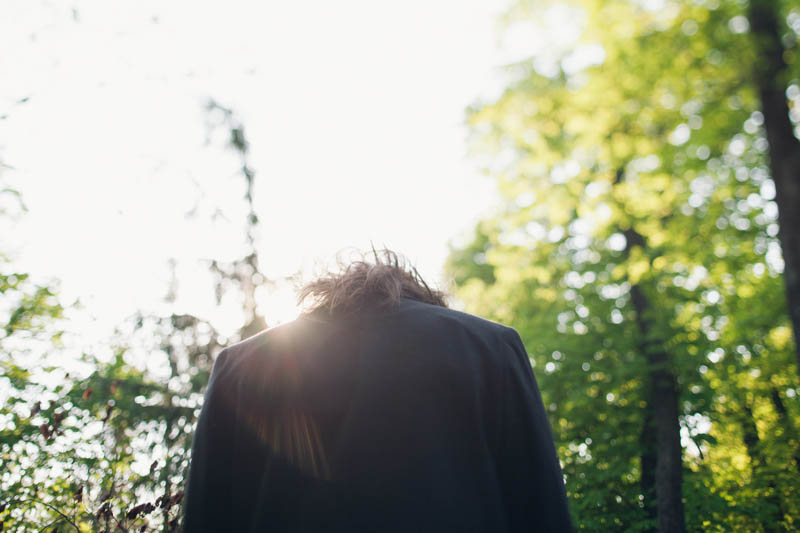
(415, 419)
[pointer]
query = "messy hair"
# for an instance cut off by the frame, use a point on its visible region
(377, 278)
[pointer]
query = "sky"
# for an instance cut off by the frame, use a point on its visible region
(354, 111)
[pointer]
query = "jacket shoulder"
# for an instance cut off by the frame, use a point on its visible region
(236, 354)
(422, 316)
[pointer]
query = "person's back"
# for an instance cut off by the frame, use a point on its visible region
(409, 417)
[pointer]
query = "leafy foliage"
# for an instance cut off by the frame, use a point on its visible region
(640, 175)
(99, 440)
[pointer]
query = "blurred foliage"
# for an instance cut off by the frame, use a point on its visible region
(99, 439)
(94, 441)
(633, 161)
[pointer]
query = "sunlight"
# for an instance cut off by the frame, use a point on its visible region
(277, 305)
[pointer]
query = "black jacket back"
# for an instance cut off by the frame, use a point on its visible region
(419, 418)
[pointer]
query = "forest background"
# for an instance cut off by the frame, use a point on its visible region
(645, 242)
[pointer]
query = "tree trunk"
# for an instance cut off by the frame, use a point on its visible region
(753, 444)
(789, 432)
(661, 413)
(663, 398)
(648, 459)
(771, 75)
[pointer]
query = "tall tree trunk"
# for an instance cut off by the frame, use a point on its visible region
(753, 444)
(664, 401)
(789, 431)
(647, 482)
(661, 414)
(771, 75)
(663, 398)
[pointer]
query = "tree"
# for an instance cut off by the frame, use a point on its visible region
(637, 229)
(100, 441)
(772, 73)
(94, 442)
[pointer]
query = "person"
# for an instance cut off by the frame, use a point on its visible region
(379, 409)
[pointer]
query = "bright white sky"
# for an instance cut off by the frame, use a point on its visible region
(354, 111)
